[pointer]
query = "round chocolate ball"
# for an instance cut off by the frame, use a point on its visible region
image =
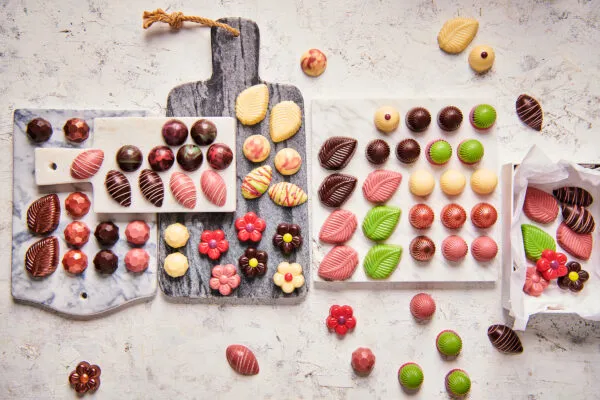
(106, 262)
(107, 233)
(418, 119)
(219, 156)
(174, 132)
(377, 152)
(189, 157)
(450, 118)
(203, 132)
(76, 130)
(39, 130)
(129, 158)
(408, 151)
(161, 158)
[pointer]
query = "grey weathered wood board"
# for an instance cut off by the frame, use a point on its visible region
(235, 67)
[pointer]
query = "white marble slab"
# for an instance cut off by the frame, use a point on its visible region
(354, 118)
(53, 165)
(90, 293)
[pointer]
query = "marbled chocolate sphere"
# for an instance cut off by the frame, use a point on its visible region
(107, 233)
(129, 158)
(39, 130)
(76, 130)
(174, 132)
(161, 158)
(203, 132)
(189, 157)
(106, 262)
(219, 156)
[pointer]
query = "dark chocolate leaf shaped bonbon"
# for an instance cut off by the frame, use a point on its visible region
(336, 189)
(337, 152)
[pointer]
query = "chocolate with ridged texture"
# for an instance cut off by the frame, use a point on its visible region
(76, 130)
(530, 111)
(129, 158)
(41, 259)
(450, 118)
(161, 158)
(573, 196)
(408, 151)
(453, 216)
(87, 163)
(43, 215)
(337, 152)
(203, 132)
(578, 218)
(421, 216)
(189, 157)
(106, 262)
(336, 189)
(107, 233)
(418, 119)
(174, 132)
(152, 187)
(422, 248)
(118, 187)
(377, 152)
(504, 339)
(39, 130)
(483, 215)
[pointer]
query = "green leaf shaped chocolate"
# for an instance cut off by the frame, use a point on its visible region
(380, 222)
(535, 241)
(382, 260)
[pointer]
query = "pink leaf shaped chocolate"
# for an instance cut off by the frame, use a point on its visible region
(214, 188)
(43, 214)
(152, 187)
(339, 227)
(183, 189)
(87, 163)
(576, 244)
(118, 187)
(381, 185)
(540, 206)
(41, 259)
(339, 264)
(242, 359)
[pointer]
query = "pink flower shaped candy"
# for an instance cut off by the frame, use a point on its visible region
(224, 279)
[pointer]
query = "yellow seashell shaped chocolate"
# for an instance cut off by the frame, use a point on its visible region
(286, 118)
(256, 183)
(456, 34)
(251, 104)
(287, 194)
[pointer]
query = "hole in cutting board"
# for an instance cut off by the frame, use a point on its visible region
(53, 166)
(84, 295)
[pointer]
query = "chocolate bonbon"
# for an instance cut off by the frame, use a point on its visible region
(418, 119)
(251, 104)
(289, 277)
(152, 187)
(341, 319)
(552, 264)
(377, 152)
(76, 234)
(313, 62)
(454, 248)
(183, 189)
(438, 152)
(386, 119)
(285, 121)
(470, 151)
(578, 218)
(75, 262)
(213, 244)
(287, 161)
(452, 182)
(573, 196)
(410, 376)
(380, 185)
(530, 111)
(336, 152)
(422, 248)
(189, 157)
(203, 132)
(118, 187)
(453, 216)
(214, 188)
(174, 132)
(535, 283)
(448, 343)
(253, 262)
(481, 58)
(85, 378)
(106, 262)
(484, 181)
(578, 245)
(107, 233)
(535, 241)
(380, 222)
(483, 215)
(422, 307)
(129, 158)
(456, 34)
(339, 227)
(219, 156)
(76, 130)
(450, 118)
(363, 361)
(408, 151)
(504, 339)
(336, 189)
(242, 360)
(256, 148)
(482, 116)
(458, 383)
(176, 235)
(540, 206)
(287, 194)
(137, 260)
(176, 265)
(287, 237)
(77, 204)
(575, 278)
(39, 130)
(339, 264)
(43, 215)
(137, 233)
(87, 163)
(161, 158)
(381, 260)
(484, 248)
(41, 258)
(250, 227)
(256, 183)
(421, 216)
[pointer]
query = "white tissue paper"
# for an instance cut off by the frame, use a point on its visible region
(539, 171)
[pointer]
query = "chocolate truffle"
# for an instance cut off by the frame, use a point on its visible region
(422, 248)
(421, 216)
(190, 157)
(313, 62)
(484, 181)
(176, 265)
(137, 233)
(386, 119)
(418, 119)
(219, 156)
(107, 233)
(39, 130)
(410, 376)
(174, 132)
(77, 234)
(458, 383)
(438, 152)
(448, 343)
(483, 215)
(470, 151)
(77, 204)
(453, 216)
(454, 248)
(481, 58)
(484, 249)
(421, 183)
(176, 235)
(106, 262)
(422, 307)
(408, 151)
(452, 182)
(504, 339)
(129, 158)
(118, 187)
(363, 361)
(377, 152)
(161, 158)
(482, 116)
(152, 187)
(450, 118)
(136, 260)
(203, 132)
(75, 261)
(76, 130)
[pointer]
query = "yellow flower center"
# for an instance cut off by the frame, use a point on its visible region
(253, 262)
(287, 237)
(573, 276)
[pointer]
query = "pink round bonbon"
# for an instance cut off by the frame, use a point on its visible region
(484, 248)
(454, 248)
(136, 260)
(422, 307)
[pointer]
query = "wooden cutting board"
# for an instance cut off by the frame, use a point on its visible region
(235, 67)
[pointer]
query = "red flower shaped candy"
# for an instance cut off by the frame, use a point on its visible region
(552, 264)
(340, 319)
(250, 227)
(213, 243)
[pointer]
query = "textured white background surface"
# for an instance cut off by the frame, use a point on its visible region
(94, 54)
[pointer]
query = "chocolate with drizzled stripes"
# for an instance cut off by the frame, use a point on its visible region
(578, 218)
(573, 195)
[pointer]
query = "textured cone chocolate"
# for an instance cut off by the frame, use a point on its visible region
(505, 339)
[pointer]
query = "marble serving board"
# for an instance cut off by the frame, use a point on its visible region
(235, 67)
(52, 165)
(354, 118)
(89, 294)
